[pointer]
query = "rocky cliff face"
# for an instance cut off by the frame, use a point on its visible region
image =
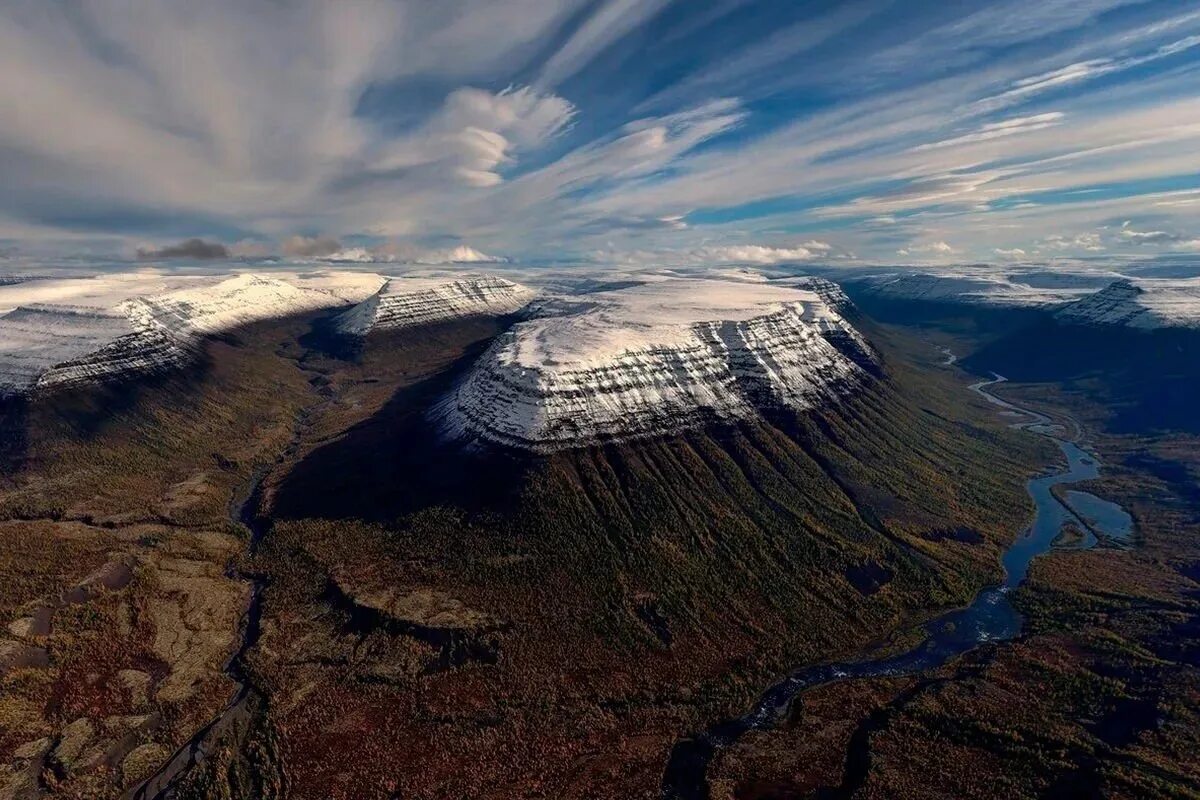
(655, 359)
(413, 302)
(829, 292)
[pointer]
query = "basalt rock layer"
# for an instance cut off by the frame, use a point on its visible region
(654, 359)
(413, 302)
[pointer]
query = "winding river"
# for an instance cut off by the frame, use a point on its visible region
(990, 617)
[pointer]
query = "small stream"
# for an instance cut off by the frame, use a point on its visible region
(991, 617)
(238, 716)
(238, 712)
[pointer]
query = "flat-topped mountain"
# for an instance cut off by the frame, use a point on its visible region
(412, 302)
(653, 359)
(124, 327)
(966, 287)
(1146, 304)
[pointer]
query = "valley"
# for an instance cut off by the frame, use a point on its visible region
(599, 400)
(417, 600)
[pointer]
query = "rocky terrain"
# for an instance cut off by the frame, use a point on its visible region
(654, 359)
(60, 333)
(967, 287)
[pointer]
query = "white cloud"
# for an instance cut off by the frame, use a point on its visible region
(1088, 242)
(934, 248)
(1145, 237)
(614, 19)
(476, 133)
(759, 254)
(1015, 253)
(367, 117)
(408, 254)
(997, 130)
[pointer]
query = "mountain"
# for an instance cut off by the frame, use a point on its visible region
(415, 302)
(56, 345)
(654, 359)
(1145, 304)
(1131, 345)
(675, 490)
(965, 287)
(659, 495)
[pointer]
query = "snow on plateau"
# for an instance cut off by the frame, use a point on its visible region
(79, 330)
(655, 358)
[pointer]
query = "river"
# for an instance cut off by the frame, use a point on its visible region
(233, 725)
(990, 617)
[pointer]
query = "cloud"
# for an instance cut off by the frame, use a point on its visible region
(251, 249)
(614, 19)
(197, 249)
(469, 141)
(1089, 242)
(1015, 253)
(409, 254)
(310, 246)
(928, 248)
(626, 125)
(1021, 90)
(1146, 237)
(759, 254)
(996, 130)
(715, 255)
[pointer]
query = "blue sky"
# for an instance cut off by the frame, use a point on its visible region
(623, 131)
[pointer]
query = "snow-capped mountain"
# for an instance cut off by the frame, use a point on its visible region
(1145, 304)
(123, 325)
(652, 359)
(967, 287)
(411, 302)
(829, 292)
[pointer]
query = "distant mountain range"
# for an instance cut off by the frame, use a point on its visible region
(1134, 342)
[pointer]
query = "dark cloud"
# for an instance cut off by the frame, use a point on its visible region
(311, 246)
(189, 248)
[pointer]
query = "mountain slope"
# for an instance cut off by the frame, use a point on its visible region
(55, 346)
(632, 588)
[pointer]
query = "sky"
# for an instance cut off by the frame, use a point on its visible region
(601, 131)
